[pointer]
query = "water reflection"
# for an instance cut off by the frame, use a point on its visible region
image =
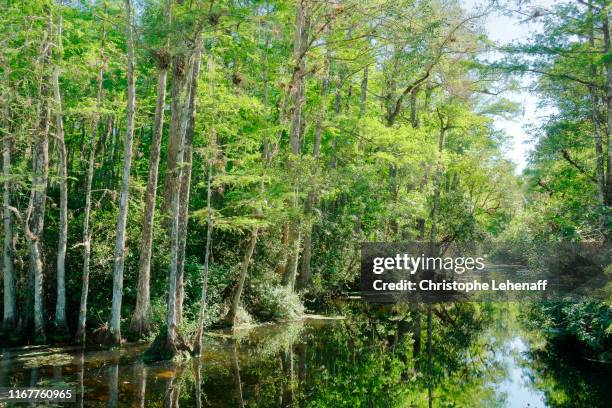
(236, 375)
(197, 371)
(173, 389)
(113, 385)
(141, 377)
(461, 355)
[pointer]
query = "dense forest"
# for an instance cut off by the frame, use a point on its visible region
(174, 165)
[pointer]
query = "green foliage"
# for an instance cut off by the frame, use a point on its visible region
(273, 303)
(376, 154)
(588, 323)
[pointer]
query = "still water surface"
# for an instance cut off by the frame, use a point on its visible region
(469, 355)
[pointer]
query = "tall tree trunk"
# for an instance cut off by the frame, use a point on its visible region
(601, 182)
(180, 118)
(305, 266)
(182, 244)
(391, 116)
(299, 49)
(115, 323)
(35, 216)
(141, 320)
(61, 327)
(185, 185)
(608, 67)
(244, 267)
(197, 344)
(437, 188)
(305, 270)
(175, 139)
(9, 318)
(82, 322)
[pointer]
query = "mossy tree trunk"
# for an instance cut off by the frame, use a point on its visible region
(9, 318)
(35, 215)
(185, 185)
(197, 343)
(82, 322)
(140, 324)
(297, 95)
(115, 323)
(61, 326)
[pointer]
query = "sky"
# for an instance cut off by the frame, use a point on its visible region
(504, 29)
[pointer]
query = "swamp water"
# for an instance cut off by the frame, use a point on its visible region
(467, 355)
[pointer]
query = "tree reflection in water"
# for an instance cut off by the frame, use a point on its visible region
(372, 357)
(113, 385)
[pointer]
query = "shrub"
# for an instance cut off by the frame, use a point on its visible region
(273, 303)
(587, 323)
